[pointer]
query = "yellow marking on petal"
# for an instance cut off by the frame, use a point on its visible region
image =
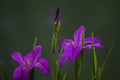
(26, 64)
(39, 63)
(74, 45)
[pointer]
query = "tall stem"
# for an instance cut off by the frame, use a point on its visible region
(32, 70)
(94, 60)
(78, 61)
(53, 67)
(54, 42)
(78, 65)
(32, 74)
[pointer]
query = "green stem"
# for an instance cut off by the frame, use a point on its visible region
(78, 61)
(94, 64)
(32, 74)
(78, 65)
(58, 71)
(54, 43)
(53, 67)
(99, 73)
(76, 69)
(94, 60)
(32, 70)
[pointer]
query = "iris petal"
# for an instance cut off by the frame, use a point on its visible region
(78, 34)
(18, 58)
(33, 56)
(64, 42)
(43, 65)
(77, 51)
(67, 54)
(26, 72)
(89, 43)
(28, 62)
(63, 59)
(69, 51)
(17, 73)
(72, 49)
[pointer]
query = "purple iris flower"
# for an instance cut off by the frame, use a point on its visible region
(72, 48)
(28, 62)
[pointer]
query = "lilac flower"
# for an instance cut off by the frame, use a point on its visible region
(28, 62)
(72, 48)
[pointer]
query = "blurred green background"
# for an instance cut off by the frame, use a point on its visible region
(22, 20)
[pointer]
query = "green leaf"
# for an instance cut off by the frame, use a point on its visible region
(57, 70)
(107, 57)
(100, 71)
(78, 65)
(4, 71)
(80, 60)
(35, 41)
(60, 52)
(65, 76)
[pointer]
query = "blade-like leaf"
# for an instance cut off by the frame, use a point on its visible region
(80, 63)
(99, 73)
(35, 41)
(61, 51)
(57, 70)
(4, 71)
(65, 76)
(107, 57)
(100, 70)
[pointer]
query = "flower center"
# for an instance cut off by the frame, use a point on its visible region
(74, 45)
(26, 64)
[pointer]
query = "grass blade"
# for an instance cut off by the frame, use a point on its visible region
(4, 72)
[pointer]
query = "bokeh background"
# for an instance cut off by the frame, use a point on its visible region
(22, 20)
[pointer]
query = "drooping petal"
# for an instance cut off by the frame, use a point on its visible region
(89, 43)
(90, 40)
(78, 34)
(64, 42)
(63, 59)
(26, 72)
(69, 51)
(18, 58)
(36, 52)
(67, 54)
(77, 51)
(22, 72)
(33, 56)
(43, 65)
(17, 75)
